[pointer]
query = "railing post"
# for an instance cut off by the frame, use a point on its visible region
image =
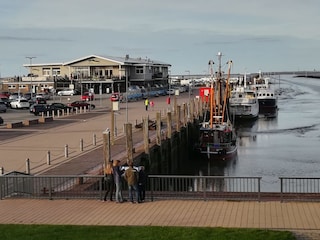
(81, 145)
(152, 183)
(50, 188)
(66, 154)
(204, 188)
(1, 171)
(48, 158)
(259, 189)
(281, 189)
(28, 166)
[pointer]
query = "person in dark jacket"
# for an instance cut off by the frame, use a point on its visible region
(142, 181)
(109, 181)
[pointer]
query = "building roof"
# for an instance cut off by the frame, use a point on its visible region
(120, 60)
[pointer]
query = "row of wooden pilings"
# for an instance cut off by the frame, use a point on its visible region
(174, 126)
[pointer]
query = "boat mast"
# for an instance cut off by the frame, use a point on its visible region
(212, 104)
(219, 87)
(227, 91)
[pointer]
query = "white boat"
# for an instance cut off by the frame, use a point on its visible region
(217, 135)
(243, 102)
(266, 95)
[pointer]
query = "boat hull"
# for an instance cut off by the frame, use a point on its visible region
(216, 153)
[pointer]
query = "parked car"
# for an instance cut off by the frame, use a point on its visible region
(5, 100)
(44, 95)
(87, 96)
(15, 96)
(82, 104)
(20, 103)
(37, 100)
(5, 93)
(66, 92)
(116, 97)
(28, 96)
(171, 91)
(38, 109)
(3, 106)
(56, 106)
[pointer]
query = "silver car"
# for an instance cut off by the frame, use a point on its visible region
(66, 92)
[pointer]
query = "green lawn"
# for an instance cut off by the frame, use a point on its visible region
(61, 232)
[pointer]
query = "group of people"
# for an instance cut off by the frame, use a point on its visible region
(147, 103)
(136, 181)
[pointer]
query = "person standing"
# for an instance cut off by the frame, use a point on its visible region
(146, 103)
(109, 181)
(131, 175)
(142, 181)
(117, 173)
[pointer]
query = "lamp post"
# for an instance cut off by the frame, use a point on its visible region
(30, 59)
(188, 71)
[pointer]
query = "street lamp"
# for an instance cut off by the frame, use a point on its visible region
(188, 71)
(30, 59)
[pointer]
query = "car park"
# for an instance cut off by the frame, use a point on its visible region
(87, 96)
(66, 92)
(82, 104)
(3, 106)
(20, 103)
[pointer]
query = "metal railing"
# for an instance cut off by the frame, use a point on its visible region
(204, 187)
(299, 189)
(159, 187)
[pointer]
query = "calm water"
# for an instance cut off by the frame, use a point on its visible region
(287, 146)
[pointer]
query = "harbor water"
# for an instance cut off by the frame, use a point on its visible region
(285, 146)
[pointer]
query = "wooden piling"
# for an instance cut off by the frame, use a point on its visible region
(158, 128)
(112, 127)
(106, 147)
(169, 125)
(146, 134)
(129, 143)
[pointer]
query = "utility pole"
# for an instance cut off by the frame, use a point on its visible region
(30, 60)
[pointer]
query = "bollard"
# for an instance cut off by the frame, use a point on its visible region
(81, 144)
(28, 166)
(66, 154)
(48, 158)
(94, 140)
(1, 171)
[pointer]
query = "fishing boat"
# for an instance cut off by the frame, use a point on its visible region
(217, 135)
(266, 96)
(243, 103)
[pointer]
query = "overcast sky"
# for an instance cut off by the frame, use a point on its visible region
(266, 35)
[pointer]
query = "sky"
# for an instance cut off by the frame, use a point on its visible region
(257, 35)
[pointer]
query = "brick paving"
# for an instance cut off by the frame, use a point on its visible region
(301, 218)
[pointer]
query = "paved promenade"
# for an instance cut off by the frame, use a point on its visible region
(301, 217)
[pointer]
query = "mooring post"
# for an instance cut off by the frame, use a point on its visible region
(158, 128)
(146, 134)
(1, 171)
(129, 143)
(66, 153)
(48, 158)
(169, 125)
(81, 145)
(106, 147)
(112, 127)
(94, 140)
(178, 114)
(28, 166)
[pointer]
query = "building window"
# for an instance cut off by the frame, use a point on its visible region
(139, 70)
(11, 86)
(22, 87)
(56, 71)
(46, 71)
